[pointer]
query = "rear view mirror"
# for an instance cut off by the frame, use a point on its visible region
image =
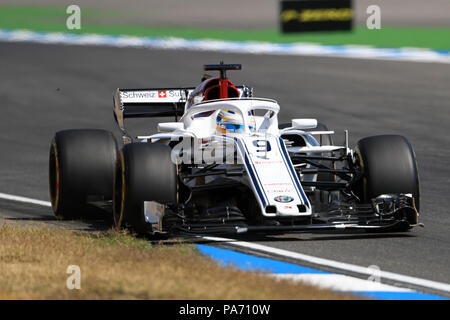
(170, 126)
(302, 124)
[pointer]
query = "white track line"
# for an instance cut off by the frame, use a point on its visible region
(339, 282)
(289, 254)
(24, 199)
(335, 264)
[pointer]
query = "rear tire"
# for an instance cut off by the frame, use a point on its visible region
(144, 172)
(81, 169)
(389, 165)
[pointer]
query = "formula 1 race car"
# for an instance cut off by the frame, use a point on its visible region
(225, 165)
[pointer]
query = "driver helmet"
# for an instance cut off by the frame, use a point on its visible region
(230, 122)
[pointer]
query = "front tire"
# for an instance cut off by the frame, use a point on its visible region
(144, 172)
(388, 165)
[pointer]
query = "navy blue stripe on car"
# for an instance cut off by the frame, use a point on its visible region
(255, 173)
(252, 173)
(293, 174)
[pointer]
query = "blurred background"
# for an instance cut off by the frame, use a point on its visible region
(235, 14)
(413, 23)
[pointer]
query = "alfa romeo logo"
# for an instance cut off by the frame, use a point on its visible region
(283, 199)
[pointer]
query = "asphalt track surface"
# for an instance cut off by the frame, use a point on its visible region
(46, 88)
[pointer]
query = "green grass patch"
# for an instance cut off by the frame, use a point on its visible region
(53, 19)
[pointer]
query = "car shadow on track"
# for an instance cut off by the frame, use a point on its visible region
(23, 214)
(297, 237)
(316, 236)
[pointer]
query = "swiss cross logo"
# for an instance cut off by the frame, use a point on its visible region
(162, 94)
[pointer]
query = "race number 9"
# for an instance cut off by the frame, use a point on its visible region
(262, 145)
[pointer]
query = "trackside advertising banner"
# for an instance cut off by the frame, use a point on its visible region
(316, 15)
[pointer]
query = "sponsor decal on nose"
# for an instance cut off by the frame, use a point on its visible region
(283, 199)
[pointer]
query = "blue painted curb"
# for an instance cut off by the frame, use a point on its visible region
(228, 257)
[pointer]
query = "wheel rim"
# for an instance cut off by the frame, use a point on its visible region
(119, 191)
(54, 177)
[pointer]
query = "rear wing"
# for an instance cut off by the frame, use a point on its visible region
(149, 103)
(163, 102)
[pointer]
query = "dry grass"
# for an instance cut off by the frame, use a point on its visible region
(33, 264)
